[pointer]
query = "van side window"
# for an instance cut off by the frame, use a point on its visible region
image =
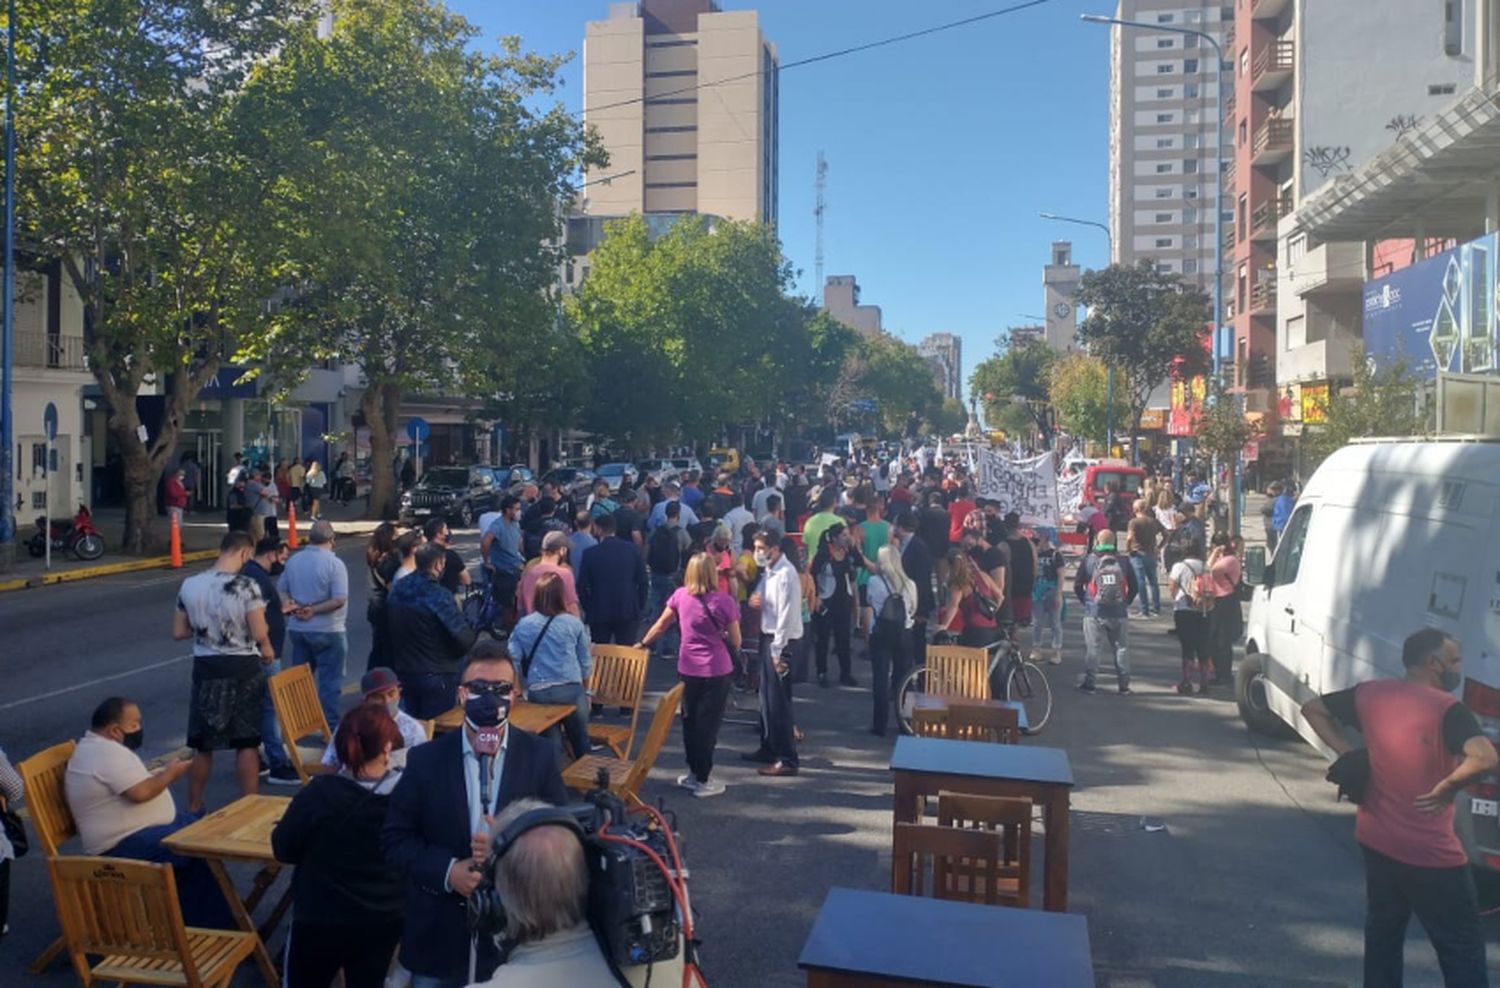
(1289, 550)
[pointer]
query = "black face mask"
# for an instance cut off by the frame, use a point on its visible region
(134, 739)
(487, 710)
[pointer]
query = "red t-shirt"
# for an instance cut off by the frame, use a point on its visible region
(957, 512)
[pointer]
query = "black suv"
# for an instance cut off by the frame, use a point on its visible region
(459, 494)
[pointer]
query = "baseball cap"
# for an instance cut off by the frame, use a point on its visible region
(554, 540)
(377, 679)
(1104, 540)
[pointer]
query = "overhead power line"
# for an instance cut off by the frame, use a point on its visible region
(826, 56)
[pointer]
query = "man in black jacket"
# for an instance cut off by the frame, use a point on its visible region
(916, 560)
(438, 826)
(612, 586)
(263, 568)
(428, 636)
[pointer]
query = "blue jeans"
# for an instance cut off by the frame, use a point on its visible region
(202, 901)
(270, 730)
(1145, 580)
(577, 724)
(325, 651)
(662, 587)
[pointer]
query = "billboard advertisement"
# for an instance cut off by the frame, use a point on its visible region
(1438, 314)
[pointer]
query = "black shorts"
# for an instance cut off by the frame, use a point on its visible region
(864, 595)
(228, 697)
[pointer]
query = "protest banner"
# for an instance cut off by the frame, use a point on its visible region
(1027, 487)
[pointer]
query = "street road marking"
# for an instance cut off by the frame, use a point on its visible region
(95, 682)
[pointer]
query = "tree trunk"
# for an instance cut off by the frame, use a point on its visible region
(141, 474)
(381, 407)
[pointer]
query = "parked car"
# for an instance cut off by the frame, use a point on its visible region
(614, 473)
(459, 494)
(511, 479)
(662, 470)
(577, 481)
(686, 464)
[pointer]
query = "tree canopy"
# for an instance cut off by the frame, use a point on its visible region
(1079, 391)
(1016, 383)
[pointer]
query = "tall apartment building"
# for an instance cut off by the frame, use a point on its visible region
(1319, 90)
(685, 98)
(1163, 107)
(944, 352)
(841, 300)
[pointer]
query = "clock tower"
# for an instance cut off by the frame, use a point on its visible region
(1060, 282)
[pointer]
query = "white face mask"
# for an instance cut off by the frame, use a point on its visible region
(762, 558)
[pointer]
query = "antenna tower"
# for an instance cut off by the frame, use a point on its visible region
(818, 210)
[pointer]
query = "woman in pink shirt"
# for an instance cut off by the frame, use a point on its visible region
(710, 623)
(1225, 622)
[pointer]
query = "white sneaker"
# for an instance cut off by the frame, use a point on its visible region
(1055, 658)
(709, 788)
(686, 781)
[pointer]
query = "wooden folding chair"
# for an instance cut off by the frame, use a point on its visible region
(626, 777)
(51, 819)
(965, 864)
(1000, 725)
(618, 679)
(954, 670)
(928, 723)
(294, 696)
(126, 913)
(1009, 817)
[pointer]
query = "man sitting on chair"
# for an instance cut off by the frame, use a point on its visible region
(381, 687)
(124, 810)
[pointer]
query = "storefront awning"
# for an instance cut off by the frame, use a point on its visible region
(1434, 181)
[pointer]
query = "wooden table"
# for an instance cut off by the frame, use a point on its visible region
(940, 703)
(240, 831)
(876, 939)
(531, 717)
(926, 766)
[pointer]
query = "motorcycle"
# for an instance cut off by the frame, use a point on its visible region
(76, 536)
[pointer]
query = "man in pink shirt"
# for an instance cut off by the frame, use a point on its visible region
(554, 559)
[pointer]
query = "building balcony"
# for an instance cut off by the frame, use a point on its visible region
(1273, 65)
(1229, 238)
(1323, 360)
(50, 352)
(1273, 141)
(1265, 216)
(1229, 105)
(1268, 9)
(1263, 298)
(1329, 269)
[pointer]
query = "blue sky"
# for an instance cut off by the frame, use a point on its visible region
(941, 151)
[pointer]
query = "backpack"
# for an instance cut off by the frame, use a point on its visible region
(893, 611)
(1205, 590)
(663, 553)
(1108, 587)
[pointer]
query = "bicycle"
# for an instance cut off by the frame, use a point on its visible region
(1025, 683)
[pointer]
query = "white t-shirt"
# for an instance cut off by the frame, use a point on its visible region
(98, 774)
(217, 605)
(412, 734)
(1184, 577)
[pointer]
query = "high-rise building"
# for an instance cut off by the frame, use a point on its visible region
(944, 354)
(841, 300)
(1163, 108)
(684, 97)
(1059, 285)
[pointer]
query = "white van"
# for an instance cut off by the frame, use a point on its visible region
(1387, 537)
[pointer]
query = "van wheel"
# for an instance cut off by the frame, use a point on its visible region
(1250, 697)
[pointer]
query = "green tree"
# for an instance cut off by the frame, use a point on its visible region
(1016, 372)
(134, 172)
(1079, 390)
(419, 192)
(1377, 403)
(950, 419)
(1221, 428)
(901, 383)
(1144, 323)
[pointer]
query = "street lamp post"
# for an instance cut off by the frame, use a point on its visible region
(1218, 350)
(8, 320)
(1109, 377)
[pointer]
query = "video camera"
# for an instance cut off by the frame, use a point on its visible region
(632, 907)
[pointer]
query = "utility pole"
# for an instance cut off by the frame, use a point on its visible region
(821, 185)
(7, 327)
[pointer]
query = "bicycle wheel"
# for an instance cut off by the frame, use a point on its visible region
(1027, 685)
(919, 680)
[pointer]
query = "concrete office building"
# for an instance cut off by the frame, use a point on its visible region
(944, 352)
(1163, 107)
(684, 97)
(841, 300)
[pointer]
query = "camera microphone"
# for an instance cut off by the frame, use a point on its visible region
(486, 747)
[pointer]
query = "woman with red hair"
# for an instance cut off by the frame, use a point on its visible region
(347, 903)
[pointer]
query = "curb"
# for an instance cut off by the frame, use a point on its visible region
(108, 569)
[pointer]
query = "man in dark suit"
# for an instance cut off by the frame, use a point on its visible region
(916, 560)
(438, 824)
(612, 586)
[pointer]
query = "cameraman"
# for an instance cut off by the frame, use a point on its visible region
(543, 880)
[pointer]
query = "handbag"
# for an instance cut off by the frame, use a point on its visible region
(1351, 773)
(15, 832)
(987, 606)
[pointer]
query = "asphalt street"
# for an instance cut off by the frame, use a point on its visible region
(1255, 880)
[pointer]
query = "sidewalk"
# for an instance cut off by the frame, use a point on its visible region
(201, 533)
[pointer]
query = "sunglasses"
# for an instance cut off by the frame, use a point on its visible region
(479, 687)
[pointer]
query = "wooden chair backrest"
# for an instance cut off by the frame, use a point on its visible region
(954, 670)
(1000, 725)
(927, 723)
(966, 864)
(618, 679)
(294, 696)
(656, 737)
(120, 908)
(1010, 817)
(42, 775)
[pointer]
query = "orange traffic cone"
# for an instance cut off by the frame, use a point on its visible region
(176, 543)
(291, 526)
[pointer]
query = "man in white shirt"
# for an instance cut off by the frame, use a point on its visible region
(381, 686)
(737, 518)
(780, 601)
(124, 810)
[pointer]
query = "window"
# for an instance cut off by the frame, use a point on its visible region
(1189, 243)
(1164, 118)
(1164, 267)
(1190, 266)
(671, 74)
(1163, 68)
(1288, 557)
(671, 157)
(1190, 141)
(1164, 192)
(1191, 192)
(1164, 168)
(1164, 142)
(675, 43)
(670, 130)
(1163, 42)
(1190, 166)
(1226, 13)
(1163, 217)
(1190, 215)
(1453, 27)
(1244, 60)
(1190, 41)
(1190, 66)
(1165, 18)
(1441, 89)
(672, 101)
(671, 185)
(1164, 94)
(1244, 132)
(1296, 249)
(1190, 91)
(1192, 16)
(1163, 241)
